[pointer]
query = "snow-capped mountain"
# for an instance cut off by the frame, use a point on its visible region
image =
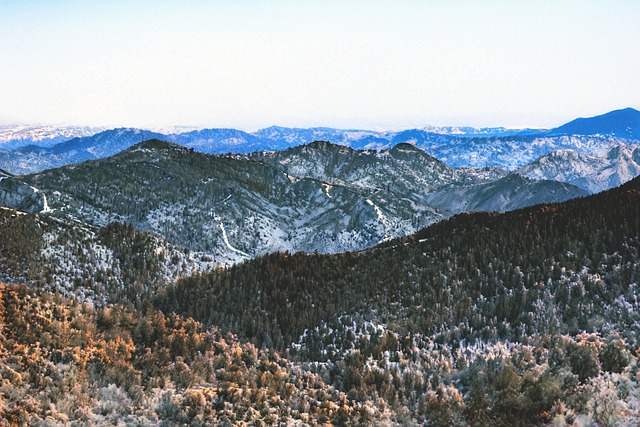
(590, 172)
(16, 136)
(471, 150)
(103, 144)
(284, 137)
(404, 168)
(219, 141)
(504, 151)
(511, 152)
(318, 197)
(490, 131)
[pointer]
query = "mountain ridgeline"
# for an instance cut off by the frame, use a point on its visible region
(318, 197)
(593, 173)
(623, 123)
(458, 147)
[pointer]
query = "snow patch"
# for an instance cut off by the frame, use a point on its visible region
(226, 242)
(326, 188)
(45, 204)
(383, 220)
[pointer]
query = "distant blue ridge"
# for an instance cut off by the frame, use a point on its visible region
(623, 123)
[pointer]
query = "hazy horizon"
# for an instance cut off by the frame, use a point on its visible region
(249, 65)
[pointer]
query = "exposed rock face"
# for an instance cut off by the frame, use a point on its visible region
(18, 195)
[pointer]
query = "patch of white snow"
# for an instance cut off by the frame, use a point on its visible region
(226, 242)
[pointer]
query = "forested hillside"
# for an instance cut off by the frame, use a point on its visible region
(64, 363)
(109, 264)
(505, 319)
(582, 254)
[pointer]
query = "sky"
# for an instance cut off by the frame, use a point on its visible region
(350, 64)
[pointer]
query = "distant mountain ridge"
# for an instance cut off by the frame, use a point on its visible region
(503, 195)
(16, 136)
(623, 123)
(456, 146)
(35, 159)
(487, 131)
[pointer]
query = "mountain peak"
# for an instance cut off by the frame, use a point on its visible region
(404, 147)
(322, 145)
(627, 110)
(624, 123)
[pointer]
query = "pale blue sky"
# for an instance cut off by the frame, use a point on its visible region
(359, 64)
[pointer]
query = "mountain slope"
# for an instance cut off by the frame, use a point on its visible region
(623, 123)
(514, 318)
(233, 207)
(19, 195)
(34, 159)
(592, 173)
(114, 263)
(319, 197)
(403, 169)
(508, 193)
(592, 229)
(65, 363)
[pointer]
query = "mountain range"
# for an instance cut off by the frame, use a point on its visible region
(16, 136)
(458, 147)
(589, 172)
(316, 197)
